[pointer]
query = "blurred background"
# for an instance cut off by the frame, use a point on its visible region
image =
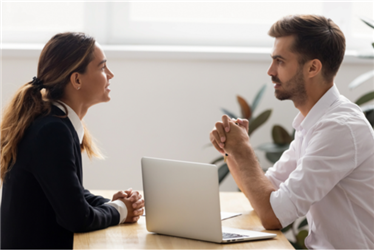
(176, 64)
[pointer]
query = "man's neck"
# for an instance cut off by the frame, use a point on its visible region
(313, 95)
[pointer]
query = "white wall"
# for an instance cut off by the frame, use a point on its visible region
(163, 107)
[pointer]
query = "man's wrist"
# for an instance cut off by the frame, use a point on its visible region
(243, 154)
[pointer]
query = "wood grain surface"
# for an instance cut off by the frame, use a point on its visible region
(136, 236)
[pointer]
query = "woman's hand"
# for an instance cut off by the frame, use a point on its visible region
(134, 204)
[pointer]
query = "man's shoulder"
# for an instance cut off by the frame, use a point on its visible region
(346, 117)
(344, 112)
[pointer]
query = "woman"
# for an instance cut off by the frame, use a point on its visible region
(42, 137)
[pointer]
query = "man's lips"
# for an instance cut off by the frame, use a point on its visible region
(276, 85)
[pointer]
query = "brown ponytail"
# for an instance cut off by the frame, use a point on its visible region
(63, 55)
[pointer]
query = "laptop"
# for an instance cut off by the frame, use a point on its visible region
(182, 200)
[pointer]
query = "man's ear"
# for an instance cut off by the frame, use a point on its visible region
(314, 68)
(75, 80)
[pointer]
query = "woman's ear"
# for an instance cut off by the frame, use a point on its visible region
(75, 80)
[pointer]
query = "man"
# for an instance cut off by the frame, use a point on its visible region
(327, 173)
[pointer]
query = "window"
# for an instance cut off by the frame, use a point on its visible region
(176, 23)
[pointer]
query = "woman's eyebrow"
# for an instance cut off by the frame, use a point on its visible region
(103, 61)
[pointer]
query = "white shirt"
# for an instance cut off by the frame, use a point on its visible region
(327, 174)
(78, 126)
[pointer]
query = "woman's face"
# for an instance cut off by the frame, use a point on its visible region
(95, 81)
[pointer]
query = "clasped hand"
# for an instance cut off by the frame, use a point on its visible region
(134, 204)
(228, 136)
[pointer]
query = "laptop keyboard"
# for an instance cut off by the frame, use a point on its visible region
(231, 235)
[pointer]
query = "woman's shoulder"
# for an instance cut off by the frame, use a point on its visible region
(55, 121)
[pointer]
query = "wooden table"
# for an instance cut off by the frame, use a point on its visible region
(136, 236)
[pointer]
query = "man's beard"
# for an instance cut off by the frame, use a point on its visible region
(293, 89)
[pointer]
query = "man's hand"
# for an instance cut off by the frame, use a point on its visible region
(134, 204)
(218, 136)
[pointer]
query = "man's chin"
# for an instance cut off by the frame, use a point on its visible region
(281, 96)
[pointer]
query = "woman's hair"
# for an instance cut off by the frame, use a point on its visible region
(316, 37)
(63, 55)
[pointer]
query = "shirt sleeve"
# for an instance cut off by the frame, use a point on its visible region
(56, 171)
(121, 208)
(283, 167)
(329, 157)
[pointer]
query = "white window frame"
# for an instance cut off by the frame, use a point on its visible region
(109, 23)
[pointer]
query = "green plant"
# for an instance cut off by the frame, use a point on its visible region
(247, 112)
(281, 142)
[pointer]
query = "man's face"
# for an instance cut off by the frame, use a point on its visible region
(286, 73)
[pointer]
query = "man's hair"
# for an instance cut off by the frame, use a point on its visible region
(316, 37)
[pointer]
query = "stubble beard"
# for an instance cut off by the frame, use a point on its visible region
(293, 89)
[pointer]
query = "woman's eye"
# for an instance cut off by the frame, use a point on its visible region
(103, 67)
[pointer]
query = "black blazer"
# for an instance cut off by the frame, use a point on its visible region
(43, 201)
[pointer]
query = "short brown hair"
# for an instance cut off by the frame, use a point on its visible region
(316, 37)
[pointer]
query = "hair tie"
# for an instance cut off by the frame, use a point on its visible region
(36, 82)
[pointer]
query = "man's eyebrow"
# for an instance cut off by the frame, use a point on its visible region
(103, 61)
(278, 56)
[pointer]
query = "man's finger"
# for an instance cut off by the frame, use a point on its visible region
(216, 138)
(226, 124)
(218, 148)
(221, 132)
(244, 123)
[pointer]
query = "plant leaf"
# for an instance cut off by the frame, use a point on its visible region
(230, 114)
(367, 108)
(258, 121)
(246, 109)
(287, 228)
(370, 116)
(365, 98)
(271, 147)
(301, 238)
(296, 245)
(223, 171)
(280, 135)
(361, 79)
(372, 45)
(273, 157)
(258, 98)
(368, 22)
(303, 224)
(217, 160)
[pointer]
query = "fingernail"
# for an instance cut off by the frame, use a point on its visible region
(227, 129)
(223, 139)
(221, 145)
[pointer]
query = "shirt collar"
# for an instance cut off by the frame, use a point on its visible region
(74, 119)
(318, 110)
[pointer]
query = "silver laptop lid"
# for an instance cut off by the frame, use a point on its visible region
(165, 182)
